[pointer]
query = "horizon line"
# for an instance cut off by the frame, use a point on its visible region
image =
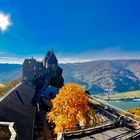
(83, 61)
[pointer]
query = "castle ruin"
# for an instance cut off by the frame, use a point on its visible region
(43, 74)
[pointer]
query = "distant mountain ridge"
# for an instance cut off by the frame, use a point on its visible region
(99, 76)
(9, 72)
(105, 75)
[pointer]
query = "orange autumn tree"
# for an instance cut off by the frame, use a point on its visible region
(71, 108)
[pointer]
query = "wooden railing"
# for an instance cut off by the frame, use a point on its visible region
(91, 129)
(104, 108)
(124, 113)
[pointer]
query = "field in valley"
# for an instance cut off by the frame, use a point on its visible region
(121, 96)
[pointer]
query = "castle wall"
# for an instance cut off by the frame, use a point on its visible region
(33, 70)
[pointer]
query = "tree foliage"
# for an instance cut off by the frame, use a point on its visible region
(135, 111)
(71, 109)
(1, 88)
(9, 86)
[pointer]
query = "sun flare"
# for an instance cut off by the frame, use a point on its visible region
(4, 22)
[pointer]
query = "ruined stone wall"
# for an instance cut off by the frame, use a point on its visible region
(39, 76)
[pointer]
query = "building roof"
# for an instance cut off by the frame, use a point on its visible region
(17, 107)
(51, 58)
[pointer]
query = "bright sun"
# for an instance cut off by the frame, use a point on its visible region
(4, 22)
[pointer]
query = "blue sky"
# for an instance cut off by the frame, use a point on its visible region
(78, 30)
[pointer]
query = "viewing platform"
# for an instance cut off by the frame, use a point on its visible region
(108, 129)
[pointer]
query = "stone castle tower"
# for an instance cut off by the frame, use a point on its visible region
(50, 60)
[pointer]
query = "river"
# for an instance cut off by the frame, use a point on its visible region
(125, 105)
